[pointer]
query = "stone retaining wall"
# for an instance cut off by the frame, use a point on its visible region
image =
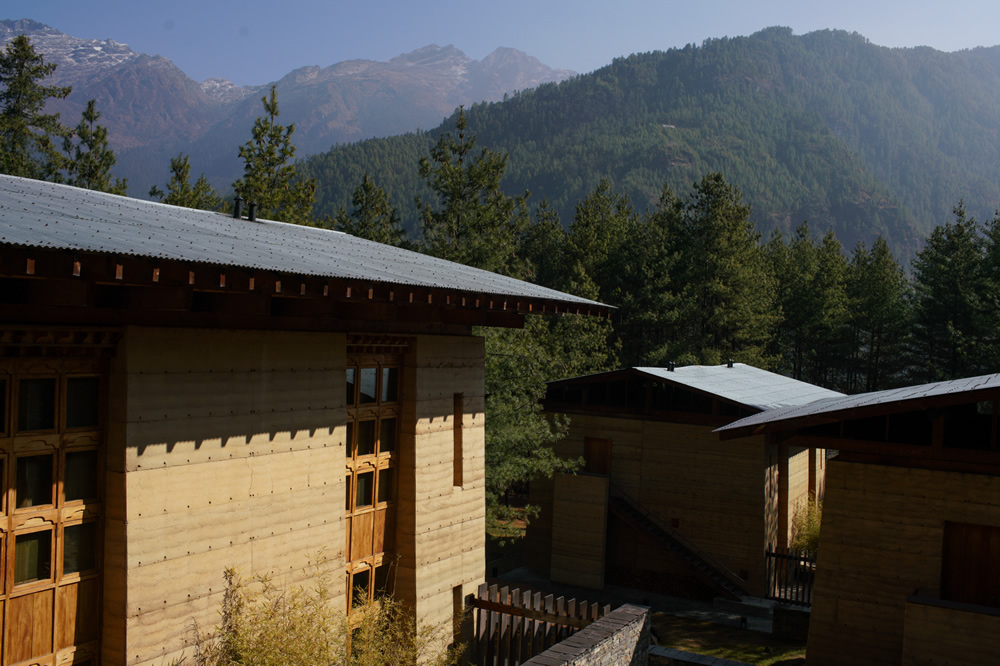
(620, 638)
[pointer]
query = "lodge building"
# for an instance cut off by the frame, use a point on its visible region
(661, 503)
(183, 391)
(910, 541)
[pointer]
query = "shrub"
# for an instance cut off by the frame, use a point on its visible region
(264, 625)
(806, 523)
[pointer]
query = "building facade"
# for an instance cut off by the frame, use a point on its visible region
(658, 486)
(910, 539)
(185, 392)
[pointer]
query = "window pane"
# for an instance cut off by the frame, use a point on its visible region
(368, 381)
(390, 382)
(79, 548)
(365, 493)
(34, 481)
(385, 489)
(81, 475)
(382, 581)
(360, 588)
(349, 444)
(32, 557)
(366, 438)
(82, 402)
(36, 404)
(350, 387)
(3, 405)
(347, 504)
(387, 439)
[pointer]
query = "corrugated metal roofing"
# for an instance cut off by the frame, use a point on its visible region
(46, 215)
(744, 384)
(833, 406)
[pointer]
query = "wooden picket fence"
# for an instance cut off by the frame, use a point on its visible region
(513, 625)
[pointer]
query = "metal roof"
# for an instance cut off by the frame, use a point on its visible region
(830, 409)
(744, 384)
(47, 215)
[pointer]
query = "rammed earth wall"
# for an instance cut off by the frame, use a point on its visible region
(620, 638)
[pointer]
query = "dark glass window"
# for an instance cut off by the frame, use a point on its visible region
(34, 481)
(83, 402)
(387, 436)
(365, 492)
(36, 404)
(79, 548)
(382, 580)
(385, 490)
(350, 439)
(360, 588)
(80, 481)
(347, 504)
(369, 379)
(390, 384)
(32, 557)
(350, 387)
(366, 438)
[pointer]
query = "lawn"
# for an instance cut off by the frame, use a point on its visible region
(721, 641)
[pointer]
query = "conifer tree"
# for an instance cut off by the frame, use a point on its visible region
(879, 305)
(948, 314)
(473, 222)
(726, 305)
(269, 177)
(373, 217)
(28, 136)
(89, 159)
(180, 191)
(811, 281)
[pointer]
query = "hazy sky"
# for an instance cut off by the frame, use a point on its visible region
(255, 42)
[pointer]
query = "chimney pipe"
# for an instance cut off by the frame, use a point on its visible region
(670, 366)
(237, 205)
(730, 363)
(252, 211)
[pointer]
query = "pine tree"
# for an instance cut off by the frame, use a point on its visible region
(27, 136)
(473, 221)
(948, 313)
(879, 305)
(89, 159)
(180, 192)
(726, 305)
(269, 178)
(373, 217)
(811, 278)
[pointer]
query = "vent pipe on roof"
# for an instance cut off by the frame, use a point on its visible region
(730, 363)
(252, 211)
(237, 205)
(670, 366)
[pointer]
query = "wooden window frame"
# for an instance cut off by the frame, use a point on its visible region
(378, 512)
(60, 513)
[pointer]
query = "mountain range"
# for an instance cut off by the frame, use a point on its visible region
(153, 110)
(824, 127)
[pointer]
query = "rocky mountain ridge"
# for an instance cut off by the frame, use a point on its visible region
(153, 110)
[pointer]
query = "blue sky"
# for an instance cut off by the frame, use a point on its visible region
(255, 42)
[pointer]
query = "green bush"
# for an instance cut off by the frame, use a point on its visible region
(805, 524)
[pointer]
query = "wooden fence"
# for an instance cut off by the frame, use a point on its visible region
(790, 576)
(513, 625)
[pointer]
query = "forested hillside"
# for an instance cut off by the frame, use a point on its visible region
(825, 127)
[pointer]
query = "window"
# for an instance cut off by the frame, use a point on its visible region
(372, 434)
(458, 456)
(970, 564)
(51, 442)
